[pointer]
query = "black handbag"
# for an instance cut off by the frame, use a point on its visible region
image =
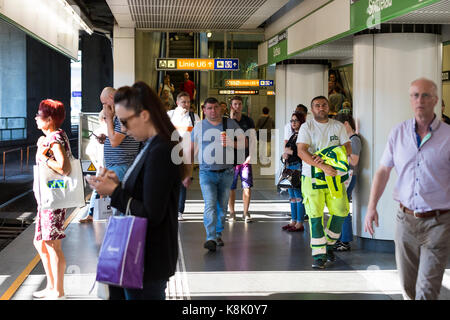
(289, 178)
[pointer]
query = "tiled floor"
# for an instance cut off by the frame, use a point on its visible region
(258, 261)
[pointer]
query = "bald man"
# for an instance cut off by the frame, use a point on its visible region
(419, 150)
(119, 149)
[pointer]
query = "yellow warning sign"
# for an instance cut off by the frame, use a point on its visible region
(91, 167)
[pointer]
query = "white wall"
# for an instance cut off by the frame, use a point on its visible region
(302, 9)
(123, 56)
(262, 53)
(46, 20)
(295, 84)
(384, 65)
(325, 23)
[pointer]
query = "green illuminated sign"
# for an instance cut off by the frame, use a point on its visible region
(277, 48)
(370, 13)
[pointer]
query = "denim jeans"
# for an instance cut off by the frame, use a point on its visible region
(216, 191)
(182, 198)
(347, 231)
(297, 208)
(120, 171)
(153, 290)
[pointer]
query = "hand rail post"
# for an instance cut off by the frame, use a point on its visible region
(4, 159)
(28, 155)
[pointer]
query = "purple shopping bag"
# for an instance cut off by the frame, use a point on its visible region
(121, 258)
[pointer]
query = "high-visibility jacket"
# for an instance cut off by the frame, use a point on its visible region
(336, 157)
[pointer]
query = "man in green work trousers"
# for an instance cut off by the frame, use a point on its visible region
(314, 135)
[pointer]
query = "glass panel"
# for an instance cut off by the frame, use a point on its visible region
(15, 123)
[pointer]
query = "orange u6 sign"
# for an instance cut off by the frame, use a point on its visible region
(218, 64)
(195, 64)
(248, 83)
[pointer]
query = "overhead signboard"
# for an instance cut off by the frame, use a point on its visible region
(241, 92)
(277, 48)
(248, 83)
(370, 13)
(218, 64)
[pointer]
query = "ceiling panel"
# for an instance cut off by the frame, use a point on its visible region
(336, 50)
(195, 15)
(437, 13)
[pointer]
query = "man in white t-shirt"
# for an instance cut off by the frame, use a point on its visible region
(184, 121)
(314, 135)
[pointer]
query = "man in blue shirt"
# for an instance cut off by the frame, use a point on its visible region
(215, 157)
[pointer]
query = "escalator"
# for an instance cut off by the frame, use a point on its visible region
(181, 45)
(340, 89)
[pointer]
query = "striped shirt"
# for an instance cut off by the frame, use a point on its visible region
(124, 153)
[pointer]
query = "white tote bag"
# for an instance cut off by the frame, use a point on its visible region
(102, 208)
(56, 191)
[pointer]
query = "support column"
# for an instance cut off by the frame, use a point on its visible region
(295, 84)
(202, 93)
(96, 70)
(123, 54)
(384, 65)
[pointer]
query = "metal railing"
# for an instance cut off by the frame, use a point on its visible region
(21, 149)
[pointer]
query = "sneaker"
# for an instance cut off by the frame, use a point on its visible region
(232, 217)
(210, 245)
(180, 216)
(247, 218)
(54, 296)
(318, 264)
(220, 242)
(41, 294)
(330, 256)
(342, 246)
(89, 218)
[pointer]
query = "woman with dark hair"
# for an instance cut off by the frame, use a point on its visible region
(53, 151)
(152, 183)
(345, 117)
(294, 162)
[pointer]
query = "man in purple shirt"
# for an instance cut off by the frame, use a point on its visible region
(419, 149)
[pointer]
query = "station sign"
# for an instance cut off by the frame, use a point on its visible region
(218, 64)
(241, 92)
(248, 83)
(277, 48)
(371, 13)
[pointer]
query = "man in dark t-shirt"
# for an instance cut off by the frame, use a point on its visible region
(243, 170)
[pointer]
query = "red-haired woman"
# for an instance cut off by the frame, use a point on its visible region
(54, 152)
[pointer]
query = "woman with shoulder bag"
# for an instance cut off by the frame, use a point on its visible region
(293, 162)
(53, 151)
(152, 183)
